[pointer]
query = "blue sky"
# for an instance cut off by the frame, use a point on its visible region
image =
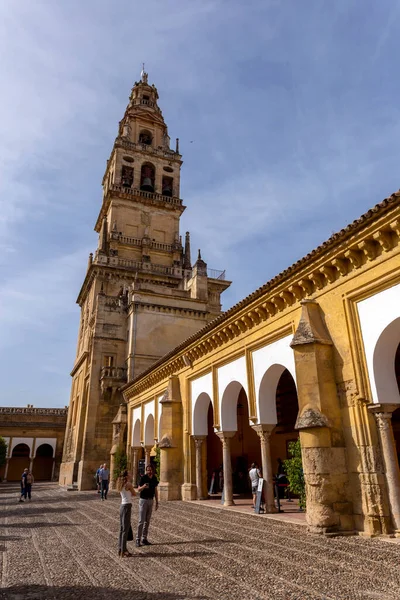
(292, 107)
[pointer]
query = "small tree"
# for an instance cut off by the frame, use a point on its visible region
(295, 474)
(120, 463)
(3, 451)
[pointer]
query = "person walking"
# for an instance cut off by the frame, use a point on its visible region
(24, 475)
(254, 474)
(104, 481)
(125, 487)
(98, 485)
(148, 491)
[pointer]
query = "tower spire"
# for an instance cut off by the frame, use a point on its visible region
(143, 75)
(187, 263)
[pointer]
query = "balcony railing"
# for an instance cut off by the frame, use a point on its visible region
(119, 373)
(150, 195)
(15, 410)
(214, 274)
(147, 267)
(130, 241)
(163, 152)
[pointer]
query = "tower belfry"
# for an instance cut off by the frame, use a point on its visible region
(140, 297)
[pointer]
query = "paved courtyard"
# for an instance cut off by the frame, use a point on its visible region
(64, 545)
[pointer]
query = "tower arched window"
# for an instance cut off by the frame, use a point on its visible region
(145, 137)
(126, 176)
(147, 177)
(167, 186)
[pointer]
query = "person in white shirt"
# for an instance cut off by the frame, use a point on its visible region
(254, 474)
(125, 487)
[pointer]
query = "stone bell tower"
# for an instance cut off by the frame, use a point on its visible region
(141, 295)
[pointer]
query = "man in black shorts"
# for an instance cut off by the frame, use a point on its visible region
(148, 491)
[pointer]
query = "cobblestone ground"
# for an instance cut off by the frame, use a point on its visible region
(63, 545)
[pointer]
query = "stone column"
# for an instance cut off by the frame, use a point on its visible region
(198, 440)
(383, 416)
(225, 437)
(53, 469)
(264, 433)
(147, 450)
(134, 464)
(6, 469)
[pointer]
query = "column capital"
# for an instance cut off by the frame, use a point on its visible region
(263, 431)
(383, 408)
(225, 435)
(198, 440)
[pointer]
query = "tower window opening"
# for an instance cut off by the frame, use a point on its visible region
(126, 176)
(146, 138)
(167, 186)
(147, 178)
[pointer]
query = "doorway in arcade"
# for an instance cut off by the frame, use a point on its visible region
(287, 408)
(396, 413)
(245, 449)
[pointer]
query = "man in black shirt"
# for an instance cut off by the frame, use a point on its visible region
(148, 491)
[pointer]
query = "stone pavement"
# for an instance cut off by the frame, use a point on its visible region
(63, 545)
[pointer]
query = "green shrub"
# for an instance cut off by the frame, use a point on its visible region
(157, 462)
(295, 474)
(120, 463)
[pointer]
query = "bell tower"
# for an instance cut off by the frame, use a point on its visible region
(141, 295)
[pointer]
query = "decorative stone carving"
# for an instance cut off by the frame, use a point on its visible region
(310, 419)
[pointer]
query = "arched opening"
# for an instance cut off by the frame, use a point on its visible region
(245, 444)
(126, 176)
(214, 453)
(147, 177)
(245, 447)
(43, 463)
(149, 431)
(384, 361)
(396, 413)
(145, 137)
(18, 462)
(136, 434)
(278, 406)
(167, 186)
(287, 408)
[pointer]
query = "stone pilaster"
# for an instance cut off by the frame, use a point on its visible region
(171, 443)
(134, 464)
(264, 433)
(319, 423)
(147, 459)
(383, 416)
(198, 440)
(225, 437)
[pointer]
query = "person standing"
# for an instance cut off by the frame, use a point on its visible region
(28, 485)
(104, 481)
(148, 491)
(254, 474)
(23, 485)
(125, 487)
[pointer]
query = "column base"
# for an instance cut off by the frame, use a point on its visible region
(168, 491)
(188, 491)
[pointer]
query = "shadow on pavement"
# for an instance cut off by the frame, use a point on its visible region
(39, 592)
(34, 525)
(21, 511)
